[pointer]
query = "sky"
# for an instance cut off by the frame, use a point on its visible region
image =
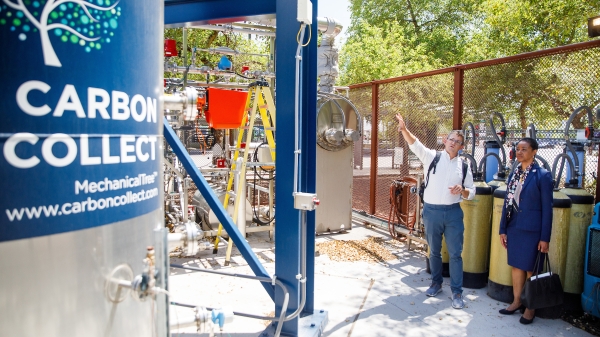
(337, 9)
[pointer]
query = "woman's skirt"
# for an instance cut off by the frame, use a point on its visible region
(522, 248)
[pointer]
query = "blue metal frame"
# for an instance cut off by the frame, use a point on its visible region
(288, 228)
(215, 204)
(178, 12)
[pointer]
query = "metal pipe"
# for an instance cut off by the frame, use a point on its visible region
(175, 237)
(296, 109)
(184, 323)
(253, 26)
(330, 28)
(228, 51)
(221, 28)
(206, 70)
(240, 189)
(218, 85)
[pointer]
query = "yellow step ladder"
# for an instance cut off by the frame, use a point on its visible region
(259, 101)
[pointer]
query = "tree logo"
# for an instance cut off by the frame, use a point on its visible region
(88, 23)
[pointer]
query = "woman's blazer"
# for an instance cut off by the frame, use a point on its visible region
(535, 204)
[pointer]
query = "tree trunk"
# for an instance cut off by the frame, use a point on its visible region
(50, 58)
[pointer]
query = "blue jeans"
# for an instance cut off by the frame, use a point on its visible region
(445, 220)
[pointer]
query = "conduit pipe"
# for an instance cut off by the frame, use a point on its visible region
(297, 150)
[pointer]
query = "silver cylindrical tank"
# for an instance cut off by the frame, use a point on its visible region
(80, 131)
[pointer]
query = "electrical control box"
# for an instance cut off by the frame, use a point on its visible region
(305, 11)
(306, 201)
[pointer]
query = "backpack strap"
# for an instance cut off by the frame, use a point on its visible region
(433, 165)
(465, 167)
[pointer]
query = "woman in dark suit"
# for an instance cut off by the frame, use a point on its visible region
(526, 220)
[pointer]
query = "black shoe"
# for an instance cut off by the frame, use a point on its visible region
(526, 321)
(509, 312)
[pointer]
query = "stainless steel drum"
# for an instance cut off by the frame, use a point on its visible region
(80, 131)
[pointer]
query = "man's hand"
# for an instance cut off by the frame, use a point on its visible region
(456, 189)
(401, 124)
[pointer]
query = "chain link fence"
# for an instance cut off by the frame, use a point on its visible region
(502, 99)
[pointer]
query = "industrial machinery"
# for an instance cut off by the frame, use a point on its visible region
(339, 126)
(203, 115)
(241, 176)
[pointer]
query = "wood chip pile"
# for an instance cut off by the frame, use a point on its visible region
(372, 250)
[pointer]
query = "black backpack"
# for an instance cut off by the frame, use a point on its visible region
(433, 166)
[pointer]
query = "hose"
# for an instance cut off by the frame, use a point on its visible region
(567, 137)
(473, 162)
(572, 167)
(496, 138)
(469, 124)
(501, 173)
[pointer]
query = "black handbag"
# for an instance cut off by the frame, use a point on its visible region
(542, 290)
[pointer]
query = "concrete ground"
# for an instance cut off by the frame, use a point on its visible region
(361, 298)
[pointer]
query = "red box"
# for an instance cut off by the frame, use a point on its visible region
(225, 108)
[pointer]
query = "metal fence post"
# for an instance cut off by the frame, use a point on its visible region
(374, 144)
(459, 74)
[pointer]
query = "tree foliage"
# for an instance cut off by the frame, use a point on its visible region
(513, 27)
(389, 38)
(382, 52)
